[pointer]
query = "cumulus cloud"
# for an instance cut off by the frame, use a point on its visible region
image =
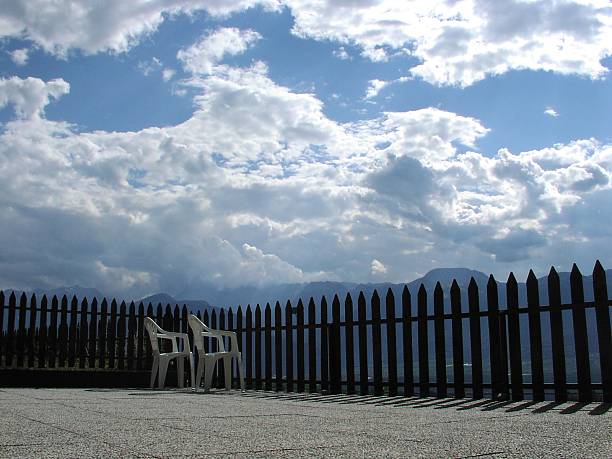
(20, 56)
(29, 96)
(259, 186)
(113, 26)
(168, 73)
(461, 42)
(551, 112)
(150, 66)
(201, 57)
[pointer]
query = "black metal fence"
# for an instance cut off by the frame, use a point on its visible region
(464, 350)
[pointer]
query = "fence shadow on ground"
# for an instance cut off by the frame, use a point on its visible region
(508, 406)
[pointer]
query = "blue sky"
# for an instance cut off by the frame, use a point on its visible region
(151, 147)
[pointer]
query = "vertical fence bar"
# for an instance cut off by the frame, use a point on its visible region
(335, 365)
(83, 333)
(112, 335)
(10, 337)
(102, 334)
(376, 344)
(289, 345)
(230, 327)
(423, 343)
(121, 336)
(93, 335)
(514, 338)
(239, 330)
(131, 344)
(556, 335)
(141, 338)
(2, 348)
(213, 345)
(312, 347)
(72, 334)
(300, 346)
(535, 337)
(349, 345)
(63, 332)
(440, 342)
(324, 347)
(475, 339)
(53, 332)
(258, 347)
(32, 331)
(457, 330)
(503, 352)
(147, 351)
(363, 345)
(278, 347)
(391, 343)
(268, 346)
(21, 332)
(42, 342)
(494, 339)
(602, 316)
(221, 363)
(407, 342)
(249, 347)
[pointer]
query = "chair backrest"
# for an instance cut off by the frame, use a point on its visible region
(153, 329)
(197, 327)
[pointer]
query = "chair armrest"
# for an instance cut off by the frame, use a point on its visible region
(231, 335)
(173, 336)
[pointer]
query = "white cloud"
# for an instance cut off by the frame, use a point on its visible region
(260, 186)
(201, 57)
(168, 73)
(461, 42)
(551, 112)
(20, 56)
(341, 53)
(374, 87)
(29, 96)
(150, 66)
(115, 26)
(378, 268)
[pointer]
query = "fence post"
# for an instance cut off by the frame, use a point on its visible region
(457, 331)
(494, 338)
(42, 339)
(258, 347)
(440, 342)
(53, 332)
(391, 342)
(268, 346)
(72, 334)
(514, 337)
(376, 344)
(83, 335)
(221, 363)
(300, 346)
(423, 343)
(63, 332)
(2, 349)
(93, 328)
(602, 314)
(249, 346)
(407, 342)
(230, 327)
(475, 339)
(31, 331)
(147, 340)
(278, 345)
(349, 345)
(312, 347)
(141, 338)
(10, 338)
(112, 335)
(102, 330)
(289, 345)
(21, 332)
(535, 337)
(324, 347)
(556, 335)
(335, 368)
(363, 345)
(131, 345)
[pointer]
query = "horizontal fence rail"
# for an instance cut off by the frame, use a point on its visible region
(462, 346)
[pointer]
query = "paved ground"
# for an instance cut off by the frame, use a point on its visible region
(45, 423)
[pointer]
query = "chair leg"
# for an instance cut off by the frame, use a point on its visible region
(209, 369)
(240, 371)
(163, 369)
(227, 365)
(180, 371)
(198, 378)
(154, 370)
(192, 380)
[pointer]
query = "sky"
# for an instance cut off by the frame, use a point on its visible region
(156, 145)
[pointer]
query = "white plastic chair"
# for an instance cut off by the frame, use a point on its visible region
(162, 359)
(207, 361)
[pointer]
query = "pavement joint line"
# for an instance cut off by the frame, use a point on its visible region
(273, 450)
(483, 454)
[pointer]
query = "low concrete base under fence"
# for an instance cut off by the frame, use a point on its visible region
(66, 377)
